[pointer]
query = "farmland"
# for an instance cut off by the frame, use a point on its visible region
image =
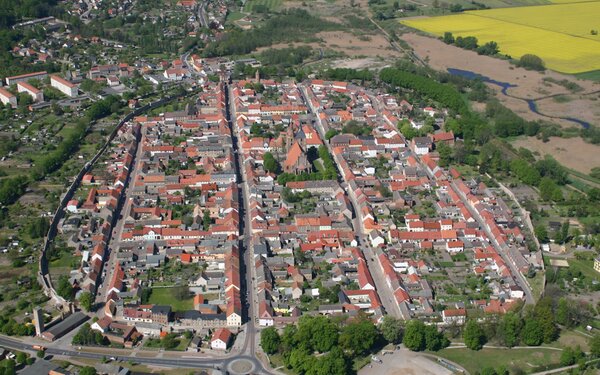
(560, 33)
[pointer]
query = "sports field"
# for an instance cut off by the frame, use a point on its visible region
(559, 33)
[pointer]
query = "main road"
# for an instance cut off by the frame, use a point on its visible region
(242, 359)
(386, 294)
(500, 249)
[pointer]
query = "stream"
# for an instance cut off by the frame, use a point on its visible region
(531, 103)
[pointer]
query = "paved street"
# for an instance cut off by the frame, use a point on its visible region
(386, 294)
(519, 278)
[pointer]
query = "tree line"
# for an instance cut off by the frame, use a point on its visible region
(337, 343)
(471, 43)
(445, 94)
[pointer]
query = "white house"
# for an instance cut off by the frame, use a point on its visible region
(6, 97)
(454, 316)
(64, 86)
(36, 94)
(73, 205)
(102, 324)
(220, 339)
(234, 319)
(175, 74)
(376, 238)
(455, 247)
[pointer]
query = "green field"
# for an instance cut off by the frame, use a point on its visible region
(594, 75)
(164, 296)
(268, 4)
(586, 267)
(524, 359)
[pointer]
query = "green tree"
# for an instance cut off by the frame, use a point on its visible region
(567, 357)
(358, 337)
(509, 329)
(533, 62)
(271, 165)
(533, 333)
(595, 345)
(562, 313)
(318, 333)
(549, 190)
(300, 360)
(391, 329)
(445, 153)
(206, 220)
(407, 130)
(330, 134)
(434, 340)
(473, 335)
(64, 287)
(541, 233)
(414, 335)
(448, 38)
(468, 42)
(86, 301)
(489, 49)
(332, 363)
(545, 316)
(38, 227)
(270, 340)
(21, 357)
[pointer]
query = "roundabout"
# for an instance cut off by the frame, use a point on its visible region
(243, 365)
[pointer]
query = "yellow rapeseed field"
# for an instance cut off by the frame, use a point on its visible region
(560, 33)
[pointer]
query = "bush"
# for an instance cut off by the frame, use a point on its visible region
(531, 62)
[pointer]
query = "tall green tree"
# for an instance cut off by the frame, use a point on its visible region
(414, 335)
(86, 301)
(533, 333)
(391, 329)
(332, 363)
(359, 337)
(271, 165)
(473, 335)
(270, 340)
(509, 329)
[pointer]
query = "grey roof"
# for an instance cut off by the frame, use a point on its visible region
(161, 309)
(40, 366)
(68, 324)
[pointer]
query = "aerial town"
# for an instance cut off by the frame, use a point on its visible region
(199, 186)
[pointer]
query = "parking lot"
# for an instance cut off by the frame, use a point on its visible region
(404, 362)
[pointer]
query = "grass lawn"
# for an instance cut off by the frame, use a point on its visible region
(593, 75)
(65, 260)
(234, 16)
(164, 296)
(537, 284)
(269, 4)
(585, 266)
(572, 339)
(524, 359)
(183, 344)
